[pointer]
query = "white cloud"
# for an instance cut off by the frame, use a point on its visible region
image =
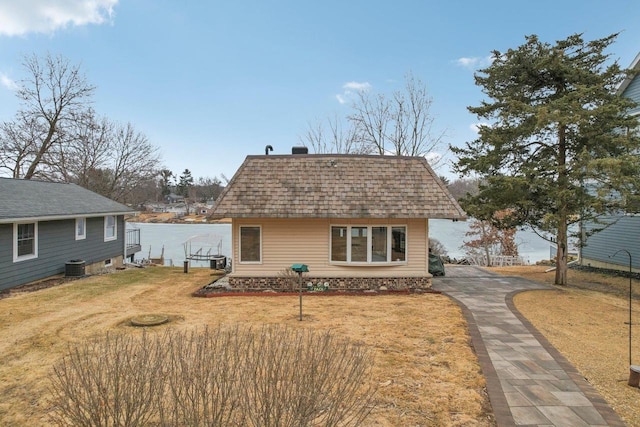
(357, 86)
(475, 62)
(7, 82)
(20, 17)
(350, 88)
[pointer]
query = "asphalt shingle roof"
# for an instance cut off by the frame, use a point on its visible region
(336, 186)
(21, 199)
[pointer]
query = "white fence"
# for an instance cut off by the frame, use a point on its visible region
(498, 260)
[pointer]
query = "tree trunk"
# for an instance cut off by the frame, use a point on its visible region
(561, 254)
(563, 184)
(44, 148)
(486, 243)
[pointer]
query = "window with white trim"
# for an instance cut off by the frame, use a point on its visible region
(81, 228)
(110, 228)
(368, 244)
(25, 241)
(250, 244)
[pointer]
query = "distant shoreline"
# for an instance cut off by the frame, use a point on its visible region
(172, 218)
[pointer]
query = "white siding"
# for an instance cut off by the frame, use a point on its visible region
(290, 241)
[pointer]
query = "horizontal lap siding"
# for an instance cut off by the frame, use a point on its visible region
(623, 234)
(6, 256)
(633, 91)
(56, 246)
(290, 241)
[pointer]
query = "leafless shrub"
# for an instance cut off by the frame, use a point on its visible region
(114, 381)
(203, 373)
(436, 247)
(304, 378)
(290, 279)
(275, 376)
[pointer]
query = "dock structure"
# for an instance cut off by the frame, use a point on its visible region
(203, 248)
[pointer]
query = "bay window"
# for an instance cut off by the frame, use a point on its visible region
(339, 244)
(364, 244)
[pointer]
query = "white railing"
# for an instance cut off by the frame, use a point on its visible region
(498, 260)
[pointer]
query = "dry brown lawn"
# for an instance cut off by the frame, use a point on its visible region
(425, 369)
(585, 321)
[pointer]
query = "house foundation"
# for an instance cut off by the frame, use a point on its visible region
(333, 283)
(106, 265)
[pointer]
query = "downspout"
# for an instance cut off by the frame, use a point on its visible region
(124, 241)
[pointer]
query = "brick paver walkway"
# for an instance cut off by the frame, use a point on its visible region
(528, 381)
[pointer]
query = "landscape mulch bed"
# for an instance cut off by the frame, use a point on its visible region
(212, 293)
(32, 287)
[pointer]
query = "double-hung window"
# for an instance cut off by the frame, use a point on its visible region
(250, 244)
(368, 244)
(110, 228)
(81, 228)
(25, 241)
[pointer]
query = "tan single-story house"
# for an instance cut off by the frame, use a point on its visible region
(356, 221)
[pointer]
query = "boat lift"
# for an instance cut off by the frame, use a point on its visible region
(205, 247)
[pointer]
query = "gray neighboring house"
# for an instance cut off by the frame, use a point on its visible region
(44, 225)
(624, 230)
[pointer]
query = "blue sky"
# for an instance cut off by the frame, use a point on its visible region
(210, 82)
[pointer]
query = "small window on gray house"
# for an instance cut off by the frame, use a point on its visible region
(110, 228)
(81, 228)
(25, 241)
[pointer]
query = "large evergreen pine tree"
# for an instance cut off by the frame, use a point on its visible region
(558, 146)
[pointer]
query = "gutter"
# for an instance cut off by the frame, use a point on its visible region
(61, 217)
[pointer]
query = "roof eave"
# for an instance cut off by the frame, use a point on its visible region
(635, 65)
(62, 217)
(455, 217)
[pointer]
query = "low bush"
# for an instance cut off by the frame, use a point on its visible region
(225, 376)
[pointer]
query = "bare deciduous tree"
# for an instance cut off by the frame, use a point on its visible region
(57, 136)
(333, 136)
(463, 186)
(401, 124)
(134, 161)
(104, 157)
(208, 188)
(53, 96)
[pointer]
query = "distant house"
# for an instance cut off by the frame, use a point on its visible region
(358, 222)
(623, 231)
(44, 225)
(174, 198)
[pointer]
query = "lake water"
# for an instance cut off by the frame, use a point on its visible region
(172, 237)
(452, 235)
(217, 237)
